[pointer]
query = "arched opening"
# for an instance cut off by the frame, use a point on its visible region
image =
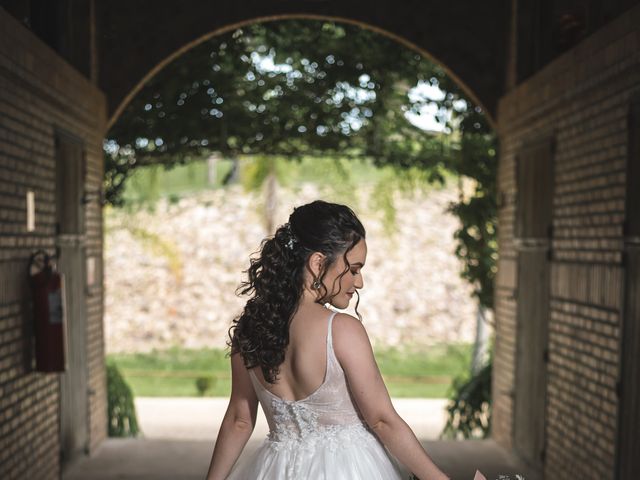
(329, 18)
(403, 163)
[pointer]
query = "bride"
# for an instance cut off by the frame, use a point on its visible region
(311, 368)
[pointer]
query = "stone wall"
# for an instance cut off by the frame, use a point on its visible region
(581, 100)
(40, 95)
(171, 274)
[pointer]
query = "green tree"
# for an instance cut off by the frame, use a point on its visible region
(287, 88)
(297, 88)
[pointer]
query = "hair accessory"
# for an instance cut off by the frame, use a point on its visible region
(292, 240)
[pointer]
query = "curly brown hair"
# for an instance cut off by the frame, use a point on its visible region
(275, 280)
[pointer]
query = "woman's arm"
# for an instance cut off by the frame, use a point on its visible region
(237, 424)
(354, 352)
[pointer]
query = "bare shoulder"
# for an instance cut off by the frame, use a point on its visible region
(349, 336)
(346, 325)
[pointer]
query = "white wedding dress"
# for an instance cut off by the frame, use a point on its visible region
(321, 437)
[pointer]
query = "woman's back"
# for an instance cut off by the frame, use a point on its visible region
(304, 366)
(328, 404)
(319, 435)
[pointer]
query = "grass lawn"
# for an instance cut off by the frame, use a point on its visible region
(149, 183)
(173, 373)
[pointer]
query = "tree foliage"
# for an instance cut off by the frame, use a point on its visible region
(121, 412)
(298, 88)
(469, 407)
(477, 236)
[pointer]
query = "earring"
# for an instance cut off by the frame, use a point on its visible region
(316, 285)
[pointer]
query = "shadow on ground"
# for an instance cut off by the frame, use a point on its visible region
(143, 459)
(179, 435)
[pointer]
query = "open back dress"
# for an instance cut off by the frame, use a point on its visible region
(320, 437)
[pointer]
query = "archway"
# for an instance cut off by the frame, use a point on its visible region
(200, 42)
(113, 117)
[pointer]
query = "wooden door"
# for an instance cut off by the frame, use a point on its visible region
(70, 243)
(628, 465)
(532, 354)
(533, 231)
(628, 460)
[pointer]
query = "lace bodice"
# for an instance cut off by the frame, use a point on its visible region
(325, 414)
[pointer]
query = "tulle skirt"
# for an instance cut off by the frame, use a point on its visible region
(347, 453)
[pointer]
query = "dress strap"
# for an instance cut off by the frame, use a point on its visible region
(329, 330)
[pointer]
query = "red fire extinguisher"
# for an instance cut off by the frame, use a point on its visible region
(47, 287)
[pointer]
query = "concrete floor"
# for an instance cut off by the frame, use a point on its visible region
(179, 435)
(189, 418)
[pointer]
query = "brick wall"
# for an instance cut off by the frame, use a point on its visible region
(583, 99)
(40, 93)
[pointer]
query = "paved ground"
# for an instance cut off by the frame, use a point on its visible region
(179, 434)
(188, 418)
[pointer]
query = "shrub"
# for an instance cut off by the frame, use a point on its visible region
(469, 408)
(121, 410)
(203, 384)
